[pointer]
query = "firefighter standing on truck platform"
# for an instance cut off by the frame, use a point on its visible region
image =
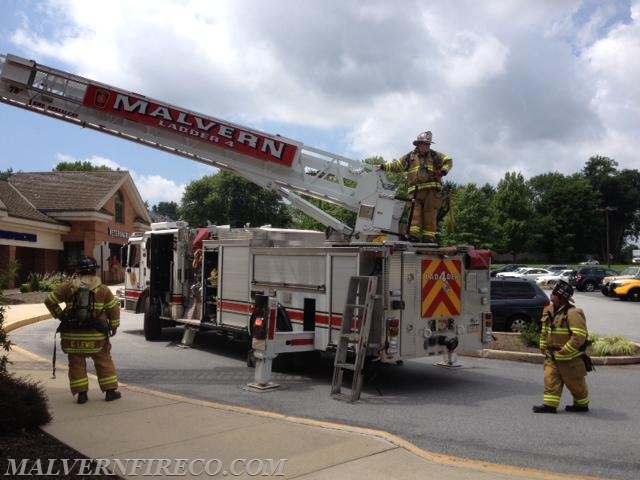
(562, 341)
(85, 327)
(424, 168)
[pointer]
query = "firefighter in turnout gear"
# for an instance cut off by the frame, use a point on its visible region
(424, 168)
(563, 340)
(90, 317)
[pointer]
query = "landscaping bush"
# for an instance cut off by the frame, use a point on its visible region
(530, 336)
(23, 404)
(614, 347)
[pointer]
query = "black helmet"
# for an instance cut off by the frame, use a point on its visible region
(563, 289)
(87, 265)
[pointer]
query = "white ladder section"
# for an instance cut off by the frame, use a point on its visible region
(356, 324)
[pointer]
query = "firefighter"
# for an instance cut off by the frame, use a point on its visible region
(90, 317)
(562, 341)
(424, 168)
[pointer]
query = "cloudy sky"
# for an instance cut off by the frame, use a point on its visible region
(505, 85)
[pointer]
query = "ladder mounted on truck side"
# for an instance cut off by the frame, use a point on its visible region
(271, 161)
(354, 334)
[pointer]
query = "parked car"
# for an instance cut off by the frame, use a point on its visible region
(635, 260)
(510, 267)
(588, 279)
(552, 279)
(591, 261)
(630, 290)
(515, 303)
(558, 268)
(628, 273)
(527, 272)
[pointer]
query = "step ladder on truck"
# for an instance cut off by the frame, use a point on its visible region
(429, 300)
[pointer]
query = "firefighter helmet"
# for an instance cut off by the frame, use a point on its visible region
(563, 289)
(424, 137)
(87, 266)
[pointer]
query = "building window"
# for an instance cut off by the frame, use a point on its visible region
(119, 207)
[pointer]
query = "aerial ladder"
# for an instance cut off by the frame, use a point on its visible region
(289, 290)
(277, 163)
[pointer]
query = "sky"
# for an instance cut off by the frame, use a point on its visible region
(504, 85)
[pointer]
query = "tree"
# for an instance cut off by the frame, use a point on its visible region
(619, 205)
(474, 219)
(225, 198)
(5, 174)
(168, 210)
(79, 166)
(515, 214)
(565, 207)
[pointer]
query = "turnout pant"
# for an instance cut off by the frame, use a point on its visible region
(105, 369)
(424, 221)
(571, 373)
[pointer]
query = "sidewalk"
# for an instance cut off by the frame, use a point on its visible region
(147, 424)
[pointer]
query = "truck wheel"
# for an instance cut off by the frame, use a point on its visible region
(152, 326)
(517, 323)
(589, 286)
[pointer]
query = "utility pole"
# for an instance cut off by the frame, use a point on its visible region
(606, 211)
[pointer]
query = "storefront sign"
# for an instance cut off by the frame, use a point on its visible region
(22, 237)
(118, 233)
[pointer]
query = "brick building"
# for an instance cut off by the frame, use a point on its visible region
(49, 220)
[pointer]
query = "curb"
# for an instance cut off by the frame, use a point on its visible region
(27, 321)
(539, 358)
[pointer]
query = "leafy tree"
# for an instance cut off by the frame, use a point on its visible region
(514, 211)
(565, 207)
(79, 166)
(166, 209)
(474, 219)
(225, 198)
(619, 205)
(5, 174)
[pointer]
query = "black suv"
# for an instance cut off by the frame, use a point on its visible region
(588, 279)
(516, 302)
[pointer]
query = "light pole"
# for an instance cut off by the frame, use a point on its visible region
(606, 211)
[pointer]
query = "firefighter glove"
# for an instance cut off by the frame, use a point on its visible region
(113, 331)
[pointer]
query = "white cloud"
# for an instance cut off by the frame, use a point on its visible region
(532, 86)
(153, 188)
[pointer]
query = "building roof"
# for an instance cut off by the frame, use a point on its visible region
(60, 194)
(13, 204)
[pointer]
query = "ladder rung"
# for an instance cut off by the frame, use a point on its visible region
(355, 305)
(346, 366)
(354, 337)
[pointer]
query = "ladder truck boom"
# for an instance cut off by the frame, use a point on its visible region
(280, 164)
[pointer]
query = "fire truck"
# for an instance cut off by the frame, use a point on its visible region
(360, 288)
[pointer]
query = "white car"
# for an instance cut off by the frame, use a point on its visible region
(635, 260)
(548, 280)
(526, 272)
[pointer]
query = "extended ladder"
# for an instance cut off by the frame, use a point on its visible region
(356, 323)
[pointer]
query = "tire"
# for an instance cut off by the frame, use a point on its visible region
(152, 325)
(517, 323)
(634, 295)
(589, 286)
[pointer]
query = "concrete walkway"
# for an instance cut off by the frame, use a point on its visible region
(162, 428)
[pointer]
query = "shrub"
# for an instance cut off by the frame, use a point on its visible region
(34, 282)
(613, 347)
(530, 336)
(9, 274)
(5, 343)
(23, 404)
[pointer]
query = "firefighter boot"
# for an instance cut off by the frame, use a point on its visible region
(82, 397)
(112, 395)
(544, 409)
(576, 408)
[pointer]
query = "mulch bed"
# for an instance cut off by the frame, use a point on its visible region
(36, 445)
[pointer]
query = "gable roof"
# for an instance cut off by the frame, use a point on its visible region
(13, 204)
(58, 194)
